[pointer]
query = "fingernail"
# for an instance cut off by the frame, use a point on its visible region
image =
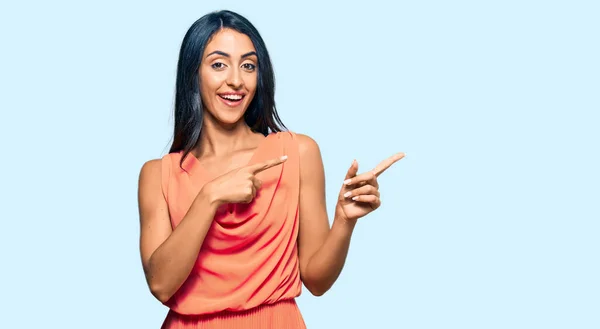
(283, 157)
(347, 194)
(347, 181)
(355, 198)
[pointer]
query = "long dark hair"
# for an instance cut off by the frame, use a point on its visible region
(261, 115)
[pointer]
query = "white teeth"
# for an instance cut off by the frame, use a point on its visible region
(232, 97)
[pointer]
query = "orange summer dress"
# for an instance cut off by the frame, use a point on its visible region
(247, 271)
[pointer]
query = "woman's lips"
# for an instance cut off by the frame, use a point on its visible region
(230, 101)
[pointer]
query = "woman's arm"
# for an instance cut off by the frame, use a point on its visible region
(322, 250)
(168, 255)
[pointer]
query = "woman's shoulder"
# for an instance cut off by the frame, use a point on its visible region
(157, 163)
(306, 143)
(308, 148)
(150, 168)
(158, 167)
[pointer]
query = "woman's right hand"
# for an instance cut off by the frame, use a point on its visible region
(239, 185)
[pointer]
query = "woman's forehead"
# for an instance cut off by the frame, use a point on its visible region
(231, 42)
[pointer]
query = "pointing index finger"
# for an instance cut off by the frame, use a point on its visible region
(255, 169)
(385, 164)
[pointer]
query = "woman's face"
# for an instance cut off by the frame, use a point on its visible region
(228, 75)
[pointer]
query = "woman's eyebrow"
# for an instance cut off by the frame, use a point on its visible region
(249, 54)
(224, 54)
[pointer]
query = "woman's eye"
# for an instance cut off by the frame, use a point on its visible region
(249, 67)
(218, 65)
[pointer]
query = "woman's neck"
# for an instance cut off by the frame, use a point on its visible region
(216, 140)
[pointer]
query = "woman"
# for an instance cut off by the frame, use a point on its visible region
(233, 219)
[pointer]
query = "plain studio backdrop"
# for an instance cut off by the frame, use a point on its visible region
(491, 221)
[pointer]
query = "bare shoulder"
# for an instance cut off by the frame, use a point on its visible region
(151, 201)
(151, 170)
(307, 146)
(311, 162)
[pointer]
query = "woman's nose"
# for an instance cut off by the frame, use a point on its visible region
(235, 79)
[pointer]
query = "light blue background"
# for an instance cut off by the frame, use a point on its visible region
(491, 221)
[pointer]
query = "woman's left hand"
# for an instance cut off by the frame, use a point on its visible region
(360, 193)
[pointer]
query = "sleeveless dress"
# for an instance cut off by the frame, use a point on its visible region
(247, 271)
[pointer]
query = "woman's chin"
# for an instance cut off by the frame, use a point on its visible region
(226, 116)
(229, 119)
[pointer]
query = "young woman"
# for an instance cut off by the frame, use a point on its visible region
(233, 219)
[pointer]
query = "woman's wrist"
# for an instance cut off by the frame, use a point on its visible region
(208, 196)
(341, 222)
